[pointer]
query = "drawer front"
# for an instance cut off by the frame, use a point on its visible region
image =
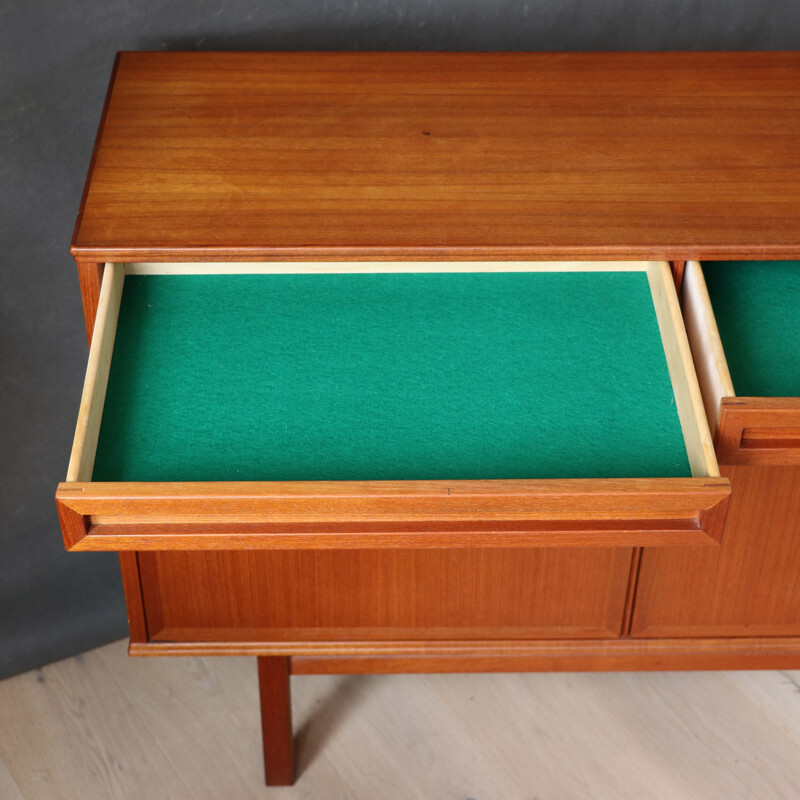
(306, 597)
(617, 504)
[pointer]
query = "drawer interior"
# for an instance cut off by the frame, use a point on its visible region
(405, 376)
(757, 309)
(555, 372)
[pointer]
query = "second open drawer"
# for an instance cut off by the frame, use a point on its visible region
(754, 416)
(390, 405)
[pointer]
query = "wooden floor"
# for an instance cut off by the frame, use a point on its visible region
(103, 725)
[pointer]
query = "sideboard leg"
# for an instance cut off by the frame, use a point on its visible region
(276, 720)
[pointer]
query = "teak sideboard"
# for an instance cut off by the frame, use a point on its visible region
(420, 362)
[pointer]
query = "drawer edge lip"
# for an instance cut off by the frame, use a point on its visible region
(648, 251)
(162, 490)
(580, 512)
(742, 403)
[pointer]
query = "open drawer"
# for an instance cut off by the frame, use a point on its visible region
(390, 405)
(743, 321)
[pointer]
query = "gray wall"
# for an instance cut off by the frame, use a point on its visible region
(55, 59)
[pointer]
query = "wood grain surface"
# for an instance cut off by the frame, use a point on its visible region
(505, 655)
(442, 155)
(625, 512)
(90, 277)
(424, 595)
(134, 601)
(276, 721)
(759, 430)
(749, 585)
(574, 655)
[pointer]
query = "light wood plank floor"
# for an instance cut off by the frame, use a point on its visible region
(103, 725)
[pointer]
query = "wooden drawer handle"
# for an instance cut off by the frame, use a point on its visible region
(759, 430)
(770, 438)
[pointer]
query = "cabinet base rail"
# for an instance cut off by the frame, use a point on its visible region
(547, 656)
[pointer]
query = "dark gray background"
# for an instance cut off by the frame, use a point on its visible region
(55, 59)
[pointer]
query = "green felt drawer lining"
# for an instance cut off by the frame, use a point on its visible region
(757, 308)
(389, 376)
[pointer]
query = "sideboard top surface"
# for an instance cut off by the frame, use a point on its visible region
(228, 156)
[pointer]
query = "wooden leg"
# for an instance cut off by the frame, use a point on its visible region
(276, 720)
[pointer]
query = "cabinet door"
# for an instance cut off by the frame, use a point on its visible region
(749, 585)
(360, 595)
